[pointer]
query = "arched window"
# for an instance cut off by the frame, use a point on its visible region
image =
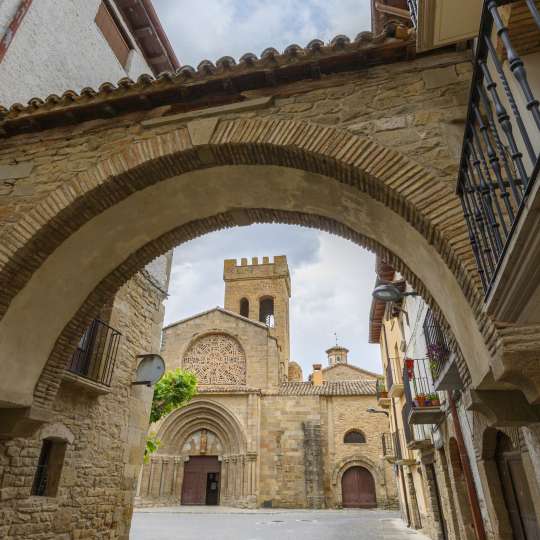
(354, 436)
(244, 307)
(266, 311)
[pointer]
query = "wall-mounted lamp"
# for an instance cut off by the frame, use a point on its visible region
(388, 292)
(376, 411)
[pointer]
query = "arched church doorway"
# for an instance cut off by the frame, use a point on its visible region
(201, 481)
(515, 489)
(358, 488)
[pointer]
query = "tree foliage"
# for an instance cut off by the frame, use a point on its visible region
(173, 390)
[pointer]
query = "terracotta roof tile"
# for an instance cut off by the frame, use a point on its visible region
(328, 388)
(271, 68)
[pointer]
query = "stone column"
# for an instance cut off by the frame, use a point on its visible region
(178, 477)
(155, 482)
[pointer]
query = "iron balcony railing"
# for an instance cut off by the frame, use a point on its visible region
(501, 146)
(389, 376)
(413, 10)
(438, 347)
(391, 445)
(380, 389)
(95, 356)
(418, 382)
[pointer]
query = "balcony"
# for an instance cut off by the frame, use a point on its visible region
(497, 182)
(424, 403)
(393, 384)
(441, 362)
(391, 446)
(417, 437)
(382, 394)
(440, 23)
(92, 364)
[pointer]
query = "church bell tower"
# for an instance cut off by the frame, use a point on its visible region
(261, 291)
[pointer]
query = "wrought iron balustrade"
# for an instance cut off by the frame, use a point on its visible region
(95, 356)
(391, 445)
(438, 347)
(423, 402)
(389, 376)
(413, 10)
(501, 147)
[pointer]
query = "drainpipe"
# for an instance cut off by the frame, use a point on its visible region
(469, 481)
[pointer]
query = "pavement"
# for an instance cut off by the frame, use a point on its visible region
(223, 523)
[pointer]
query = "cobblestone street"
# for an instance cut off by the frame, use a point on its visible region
(221, 523)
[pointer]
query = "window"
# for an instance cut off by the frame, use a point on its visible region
(49, 469)
(266, 311)
(244, 307)
(113, 32)
(354, 436)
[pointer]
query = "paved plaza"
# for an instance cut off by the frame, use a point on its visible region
(220, 523)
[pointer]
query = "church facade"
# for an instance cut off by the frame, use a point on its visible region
(257, 434)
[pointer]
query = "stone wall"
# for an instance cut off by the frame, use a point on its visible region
(106, 436)
(259, 349)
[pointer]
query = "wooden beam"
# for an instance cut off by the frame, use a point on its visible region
(395, 11)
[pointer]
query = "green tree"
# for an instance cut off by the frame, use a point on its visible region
(172, 391)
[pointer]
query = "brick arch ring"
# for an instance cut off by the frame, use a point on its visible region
(233, 172)
(203, 414)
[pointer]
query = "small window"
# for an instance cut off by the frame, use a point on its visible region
(266, 311)
(49, 469)
(354, 436)
(244, 307)
(113, 32)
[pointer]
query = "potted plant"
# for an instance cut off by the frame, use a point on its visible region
(436, 355)
(434, 399)
(381, 389)
(421, 400)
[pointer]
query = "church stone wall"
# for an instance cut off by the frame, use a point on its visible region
(105, 447)
(282, 481)
(345, 372)
(345, 413)
(260, 352)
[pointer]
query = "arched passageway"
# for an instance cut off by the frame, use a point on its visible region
(358, 488)
(89, 236)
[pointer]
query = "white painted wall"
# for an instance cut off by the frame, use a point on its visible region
(58, 47)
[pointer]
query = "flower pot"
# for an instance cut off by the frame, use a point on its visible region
(383, 394)
(427, 403)
(421, 400)
(435, 402)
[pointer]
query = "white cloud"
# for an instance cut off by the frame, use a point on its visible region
(331, 286)
(210, 29)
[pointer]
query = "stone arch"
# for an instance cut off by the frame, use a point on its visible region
(202, 413)
(356, 461)
(216, 358)
(343, 168)
(57, 432)
(354, 433)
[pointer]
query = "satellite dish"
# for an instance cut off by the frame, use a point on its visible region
(150, 369)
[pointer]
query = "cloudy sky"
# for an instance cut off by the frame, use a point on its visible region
(331, 278)
(210, 29)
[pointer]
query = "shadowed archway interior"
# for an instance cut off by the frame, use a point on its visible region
(164, 191)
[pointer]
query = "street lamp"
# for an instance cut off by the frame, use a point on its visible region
(388, 292)
(376, 411)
